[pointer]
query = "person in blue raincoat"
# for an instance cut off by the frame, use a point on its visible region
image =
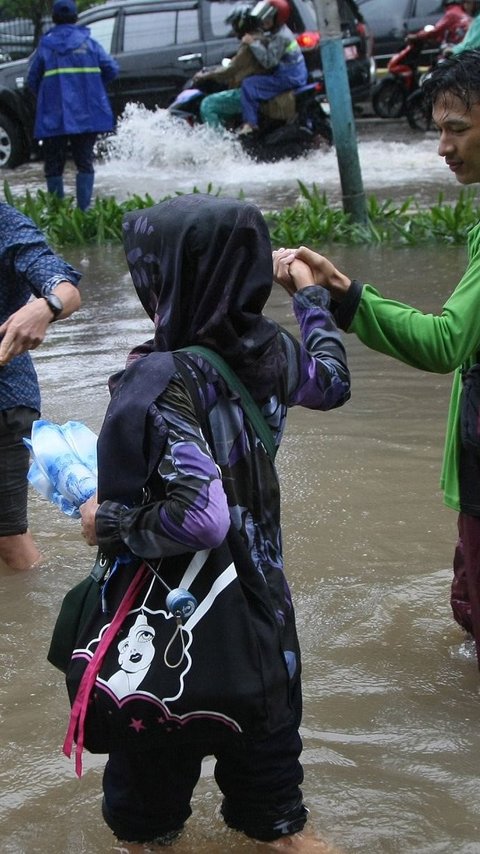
(68, 74)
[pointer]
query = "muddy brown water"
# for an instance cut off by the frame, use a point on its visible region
(391, 691)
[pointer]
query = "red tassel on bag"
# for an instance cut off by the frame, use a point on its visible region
(78, 714)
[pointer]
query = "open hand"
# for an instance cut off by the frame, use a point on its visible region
(24, 330)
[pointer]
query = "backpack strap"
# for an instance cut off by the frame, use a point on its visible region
(252, 411)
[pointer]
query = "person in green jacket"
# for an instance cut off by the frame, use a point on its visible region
(441, 343)
(471, 39)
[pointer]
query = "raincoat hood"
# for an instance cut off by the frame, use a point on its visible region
(63, 38)
(202, 268)
(64, 11)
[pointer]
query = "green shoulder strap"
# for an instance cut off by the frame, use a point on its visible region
(249, 406)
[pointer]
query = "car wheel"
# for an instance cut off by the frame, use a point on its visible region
(419, 116)
(12, 147)
(388, 98)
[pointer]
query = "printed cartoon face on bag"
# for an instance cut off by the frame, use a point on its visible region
(151, 639)
(135, 654)
(147, 673)
(148, 670)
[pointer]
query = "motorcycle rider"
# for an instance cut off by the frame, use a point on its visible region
(449, 30)
(278, 52)
(471, 41)
(218, 107)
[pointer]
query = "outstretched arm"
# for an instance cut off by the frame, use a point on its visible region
(323, 379)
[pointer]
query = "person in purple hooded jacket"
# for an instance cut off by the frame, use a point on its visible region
(202, 269)
(68, 74)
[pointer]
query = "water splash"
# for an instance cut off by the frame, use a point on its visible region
(466, 650)
(152, 152)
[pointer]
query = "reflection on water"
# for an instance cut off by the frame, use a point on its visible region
(391, 692)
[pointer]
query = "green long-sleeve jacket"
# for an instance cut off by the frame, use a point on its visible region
(439, 343)
(471, 39)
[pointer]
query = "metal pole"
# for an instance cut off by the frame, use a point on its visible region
(341, 110)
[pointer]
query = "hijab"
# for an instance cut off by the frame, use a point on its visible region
(202, 269)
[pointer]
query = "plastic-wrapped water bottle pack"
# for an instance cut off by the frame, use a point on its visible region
(64, 463)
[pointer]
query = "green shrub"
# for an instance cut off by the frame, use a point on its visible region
(310, 221)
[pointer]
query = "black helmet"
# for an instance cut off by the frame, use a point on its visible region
(240, 19)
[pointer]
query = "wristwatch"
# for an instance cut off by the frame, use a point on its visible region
(55, 305)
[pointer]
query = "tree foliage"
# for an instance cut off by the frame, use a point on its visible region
(36, 11)
(34, 8)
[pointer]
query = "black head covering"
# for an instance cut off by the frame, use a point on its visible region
(202, 268)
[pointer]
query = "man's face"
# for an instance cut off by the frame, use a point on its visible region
(459, 136)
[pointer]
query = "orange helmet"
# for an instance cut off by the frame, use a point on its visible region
(272, 13)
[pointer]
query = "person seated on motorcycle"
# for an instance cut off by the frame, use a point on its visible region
(449, 30)
(471, 40)
(216, 109)
(278, 52)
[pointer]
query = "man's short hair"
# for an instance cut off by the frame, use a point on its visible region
(459, 74)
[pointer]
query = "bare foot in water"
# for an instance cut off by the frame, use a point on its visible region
(298, 843)
(303, 843)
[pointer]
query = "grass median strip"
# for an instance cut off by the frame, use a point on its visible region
(310, 221)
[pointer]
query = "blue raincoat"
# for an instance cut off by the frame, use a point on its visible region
(68, 73)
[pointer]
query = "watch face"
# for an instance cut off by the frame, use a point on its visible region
(56, 305)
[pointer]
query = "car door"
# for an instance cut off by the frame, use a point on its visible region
(423, 13)
(391, 20)
(157, 46)
(104, 26)
(219, 40)
(159, 50)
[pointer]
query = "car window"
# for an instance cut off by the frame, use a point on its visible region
(428, 7)
(102, 32)
(187, 26)
(218, 13)
(304, 17)
(149, 30)
(380, 8)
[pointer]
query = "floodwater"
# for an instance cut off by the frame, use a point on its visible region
(391, 690)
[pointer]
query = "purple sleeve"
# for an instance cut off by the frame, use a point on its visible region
(193, 514)
(323, 378)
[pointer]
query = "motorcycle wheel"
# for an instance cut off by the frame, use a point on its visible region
(320, 123)
(418, 115)
(272, 150)
(388, 98)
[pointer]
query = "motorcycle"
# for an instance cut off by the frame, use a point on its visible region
(275, 139)
(399, 92)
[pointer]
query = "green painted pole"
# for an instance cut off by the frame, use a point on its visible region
(341, 110)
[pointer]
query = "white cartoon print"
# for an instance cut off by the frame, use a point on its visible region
(173, 639)
(135, 655)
